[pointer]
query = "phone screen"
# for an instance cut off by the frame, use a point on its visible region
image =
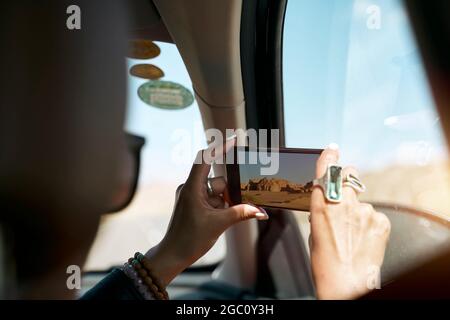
(282, 179)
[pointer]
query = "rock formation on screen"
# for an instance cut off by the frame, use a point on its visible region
(275, 185)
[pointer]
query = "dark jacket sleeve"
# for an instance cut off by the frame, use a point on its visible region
(115, 286)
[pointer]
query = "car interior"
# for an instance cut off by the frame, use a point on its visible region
(235, 55)
(319, 71)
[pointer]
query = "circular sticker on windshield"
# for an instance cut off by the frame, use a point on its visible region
(165, 95)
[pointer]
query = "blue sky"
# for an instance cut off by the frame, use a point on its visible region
(298, 168)
(362, 88)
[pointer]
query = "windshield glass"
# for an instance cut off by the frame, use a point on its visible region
(353, 75)
(173, 138)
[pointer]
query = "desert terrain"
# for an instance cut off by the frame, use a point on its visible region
(274, 192)
(281, 199)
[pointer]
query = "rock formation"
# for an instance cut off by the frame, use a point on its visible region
(275, 185)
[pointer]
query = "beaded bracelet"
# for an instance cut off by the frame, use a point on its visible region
(143, 266)
(131, 273)
(138, 269)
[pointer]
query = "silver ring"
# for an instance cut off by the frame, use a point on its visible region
(209, 188)
(353, 182)
(331, 183)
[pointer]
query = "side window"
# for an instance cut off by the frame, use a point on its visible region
(173, 138)
(353, 75)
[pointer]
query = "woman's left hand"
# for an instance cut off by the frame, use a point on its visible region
(197, 222)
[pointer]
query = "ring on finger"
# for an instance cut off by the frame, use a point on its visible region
(209, 188)
(353, 181)
(331, 183)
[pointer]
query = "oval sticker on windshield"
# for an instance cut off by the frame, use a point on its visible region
(143, 49)
(146, 71)
(165, 95)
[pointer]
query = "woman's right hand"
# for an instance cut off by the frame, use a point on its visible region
(198, 219)
(348, 239)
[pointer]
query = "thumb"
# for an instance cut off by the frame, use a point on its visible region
(242, 212)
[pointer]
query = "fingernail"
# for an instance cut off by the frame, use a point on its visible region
(333, 146)
(261, 216)
(262, 210)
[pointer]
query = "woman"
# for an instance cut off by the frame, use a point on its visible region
(62, 143)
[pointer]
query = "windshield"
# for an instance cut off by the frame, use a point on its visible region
(353, 75)
(173, 138)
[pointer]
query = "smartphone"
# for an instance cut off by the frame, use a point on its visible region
(277, 179)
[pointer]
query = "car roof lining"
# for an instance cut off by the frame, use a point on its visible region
(146, 22)
(207, 35)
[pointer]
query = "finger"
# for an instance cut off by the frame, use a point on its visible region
(365, 211)
(217, 150)
(348, 192)
(202, 164)
(178, 191)
(226, 197)
(218, 185)
(200, 169)
(365, 216)
(230, 142)
(242, 212)
(329, 156)
(216, 202)
(382, 224)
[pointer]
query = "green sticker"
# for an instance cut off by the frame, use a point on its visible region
(165, 95)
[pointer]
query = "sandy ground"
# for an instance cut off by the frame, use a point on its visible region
(295, 201)
(422, 187)
(144, 222)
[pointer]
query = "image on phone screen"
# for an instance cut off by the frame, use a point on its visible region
(288, 187)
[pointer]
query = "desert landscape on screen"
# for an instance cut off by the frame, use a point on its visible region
(289, 188)
(275, 192)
